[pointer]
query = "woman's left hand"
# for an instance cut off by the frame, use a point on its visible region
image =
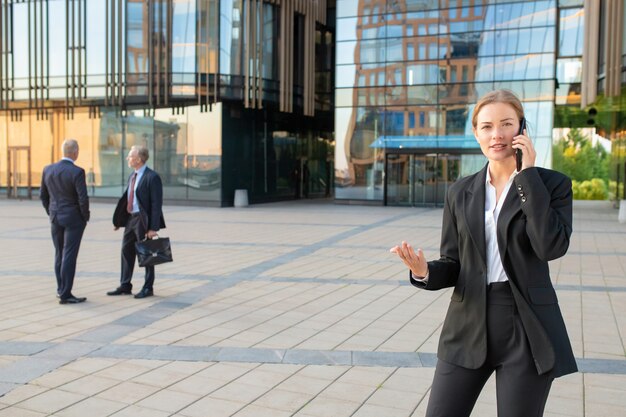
(529, 154)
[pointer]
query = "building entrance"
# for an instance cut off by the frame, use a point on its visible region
(419, 179)
(18, 172)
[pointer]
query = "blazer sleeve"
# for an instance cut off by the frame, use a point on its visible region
(44, 194)
(156, 202)
(547, 203)
(81, 191)
(444, 272)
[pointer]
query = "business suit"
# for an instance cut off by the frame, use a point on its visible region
(534, 227)
(64, 196)
(149, 197)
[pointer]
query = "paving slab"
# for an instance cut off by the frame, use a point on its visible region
(282, 309)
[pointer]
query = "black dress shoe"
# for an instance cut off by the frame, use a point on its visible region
(144, 293)
(72, 300)
(119, 291)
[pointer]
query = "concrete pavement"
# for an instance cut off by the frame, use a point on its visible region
(287, 309)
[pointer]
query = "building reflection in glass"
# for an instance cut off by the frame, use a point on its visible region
(408, 75)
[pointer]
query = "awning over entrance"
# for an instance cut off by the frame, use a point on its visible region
(426, 142)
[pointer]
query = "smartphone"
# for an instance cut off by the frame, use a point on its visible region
(518, 152)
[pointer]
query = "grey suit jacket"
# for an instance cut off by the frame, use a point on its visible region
(63, 193)
(534, 227)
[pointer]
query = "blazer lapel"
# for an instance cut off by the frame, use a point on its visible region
(474, 206)
(510, 207)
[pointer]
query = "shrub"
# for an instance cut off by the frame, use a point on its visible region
(595, 189)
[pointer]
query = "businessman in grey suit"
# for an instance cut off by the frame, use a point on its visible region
(139, 211)
(64, 196)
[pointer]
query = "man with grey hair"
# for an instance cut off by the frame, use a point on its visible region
(64, 196)
(139, 211)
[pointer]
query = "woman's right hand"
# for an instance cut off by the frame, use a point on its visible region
(413, 260)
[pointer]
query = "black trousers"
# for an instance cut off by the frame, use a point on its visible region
(520, 391)
(133, 232)
(66, 240)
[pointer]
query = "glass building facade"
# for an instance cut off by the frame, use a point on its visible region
(408, 75)
(226, 94)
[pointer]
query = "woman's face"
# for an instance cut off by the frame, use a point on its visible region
(497, 125)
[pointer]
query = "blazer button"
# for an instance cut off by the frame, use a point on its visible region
(523, 199)
(519, 187)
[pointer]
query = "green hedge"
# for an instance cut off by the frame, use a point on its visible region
(595, 189)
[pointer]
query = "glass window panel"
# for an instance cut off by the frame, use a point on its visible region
(490, 17)
(137, 48)
(344, 97)
(20, 48)
(571, 32)
(433, 51)
(422, 74)
(381, 78)
(421, 94)
(345, 52)
(370, 51)
(184, 36)
(398, 77)
(545, 13)
(347, 8)
(528, 90)
(515, 67)
(419, 5)
(345, 76)
(485, 68)
(346, 29)
(570, 3)
(422, 52)
(395, 30)
(270, 42)
(58, 44)
(487, 43)
(395, 50)
(231, 37)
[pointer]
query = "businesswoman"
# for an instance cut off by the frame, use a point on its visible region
(500, 228)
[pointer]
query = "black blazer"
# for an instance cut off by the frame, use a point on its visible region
(63, 193)
(534, 227)
(149, 197)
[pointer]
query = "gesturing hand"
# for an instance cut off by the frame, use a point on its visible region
(413, 260)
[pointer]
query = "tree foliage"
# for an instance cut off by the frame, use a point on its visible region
(587, 165)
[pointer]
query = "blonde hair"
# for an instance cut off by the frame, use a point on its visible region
(498, 96)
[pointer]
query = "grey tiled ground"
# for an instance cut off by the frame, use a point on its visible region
(291, 309)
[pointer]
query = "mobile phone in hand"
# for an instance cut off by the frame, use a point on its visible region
(518, 152)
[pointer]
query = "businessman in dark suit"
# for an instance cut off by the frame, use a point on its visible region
(64, 196)
(501, 227)
(139, 211)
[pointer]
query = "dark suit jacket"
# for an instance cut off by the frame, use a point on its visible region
(534, 227)
(64, 193)
(149, 196)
